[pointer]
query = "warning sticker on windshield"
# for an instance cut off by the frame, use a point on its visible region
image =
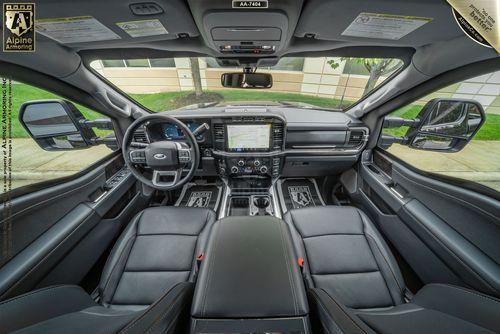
(80, 29)
(143, 28)
(384, 26)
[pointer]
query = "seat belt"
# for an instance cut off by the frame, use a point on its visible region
(300, 262)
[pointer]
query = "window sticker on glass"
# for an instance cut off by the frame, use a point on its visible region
(384, 26)
(143, 28)
(80, 29)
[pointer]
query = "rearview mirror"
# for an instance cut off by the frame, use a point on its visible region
(447, 124)
(56, 125)
(246, 80)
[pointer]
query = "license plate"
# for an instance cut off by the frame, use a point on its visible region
(250, 4)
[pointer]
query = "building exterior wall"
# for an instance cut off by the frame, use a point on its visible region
(317, 78)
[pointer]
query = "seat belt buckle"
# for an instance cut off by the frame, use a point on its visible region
(407, 295)
(300, 262)
(199, 259)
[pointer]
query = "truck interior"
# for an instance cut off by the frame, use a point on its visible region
(255, 215)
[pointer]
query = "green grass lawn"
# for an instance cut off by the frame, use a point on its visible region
(167, 101)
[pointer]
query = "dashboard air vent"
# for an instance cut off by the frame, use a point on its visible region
(356, 137)
(140, 136)
(278, 136)
(219, 132)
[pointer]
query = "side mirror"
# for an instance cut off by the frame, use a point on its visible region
(56, 125)
(246, 80)
(447, 125)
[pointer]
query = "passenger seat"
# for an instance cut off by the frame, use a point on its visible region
(356, 285)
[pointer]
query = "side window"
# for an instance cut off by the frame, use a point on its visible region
(30, 164)
(479, 160)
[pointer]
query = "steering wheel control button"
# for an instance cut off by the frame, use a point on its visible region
(138, 156)
(184, 156)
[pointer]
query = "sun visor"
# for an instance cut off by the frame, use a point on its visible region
(409, 23)
(94, 23)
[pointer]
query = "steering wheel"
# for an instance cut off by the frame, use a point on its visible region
(166, 158)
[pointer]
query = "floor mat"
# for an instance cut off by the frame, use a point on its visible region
(299, 193)
(200, 196)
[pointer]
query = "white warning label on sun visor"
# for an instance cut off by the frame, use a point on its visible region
(143, 28)
(384, 26)
(69, 30)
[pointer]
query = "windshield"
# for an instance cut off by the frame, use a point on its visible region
(305, 82)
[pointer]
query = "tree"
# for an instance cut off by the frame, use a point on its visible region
(375, 66)
(195, 74)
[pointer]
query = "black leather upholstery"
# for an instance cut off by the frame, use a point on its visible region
(346, 256)
(157, 250)
(249, 272)
(439, 308)
(435, 309)
(356, 286)
(143, 287)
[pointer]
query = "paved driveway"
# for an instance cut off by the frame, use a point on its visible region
(479, 161)
(31, 164)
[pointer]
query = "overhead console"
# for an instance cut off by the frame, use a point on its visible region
(241, 34)
(251, 28)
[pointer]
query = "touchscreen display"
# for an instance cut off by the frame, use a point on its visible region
(248, 137)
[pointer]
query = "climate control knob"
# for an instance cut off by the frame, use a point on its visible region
(235, 170)
(241, 163)
(263, 169)
(256, 163)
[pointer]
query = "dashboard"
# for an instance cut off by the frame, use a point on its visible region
(265, 141)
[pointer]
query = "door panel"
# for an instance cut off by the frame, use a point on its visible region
(446, 233)
(58, 234)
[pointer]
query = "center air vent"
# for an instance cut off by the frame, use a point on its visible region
(278, 135)
(219, 132)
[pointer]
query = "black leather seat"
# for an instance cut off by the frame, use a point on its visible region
(346, 256)
(145, 281)
(357, 287)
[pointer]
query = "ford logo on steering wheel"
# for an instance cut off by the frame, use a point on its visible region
(159, 156)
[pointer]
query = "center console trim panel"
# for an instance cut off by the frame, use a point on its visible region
(250, 273)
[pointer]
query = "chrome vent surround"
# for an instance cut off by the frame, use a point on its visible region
(357, 137)
(278, 135)
(219, 132)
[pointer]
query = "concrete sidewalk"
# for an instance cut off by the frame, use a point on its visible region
(479, 161)
(31, 164)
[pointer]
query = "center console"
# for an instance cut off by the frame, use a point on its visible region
(248, 152)
(249, 280)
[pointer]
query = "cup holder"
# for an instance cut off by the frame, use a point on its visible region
(261, 202)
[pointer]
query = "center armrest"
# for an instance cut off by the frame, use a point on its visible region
(249, 271)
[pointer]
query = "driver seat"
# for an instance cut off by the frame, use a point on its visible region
(147, 281)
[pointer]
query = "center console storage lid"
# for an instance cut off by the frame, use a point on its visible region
(249, 271)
